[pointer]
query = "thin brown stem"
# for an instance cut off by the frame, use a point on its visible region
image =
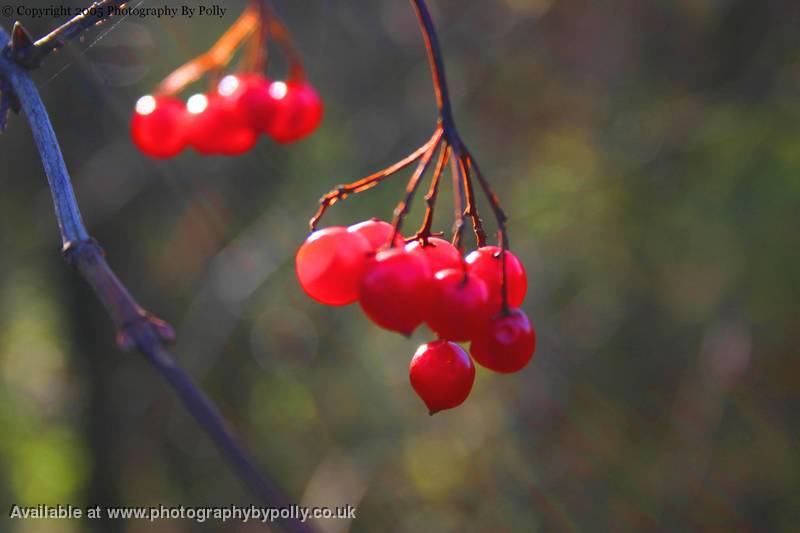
(257, 52)
(471, 210)
(279, 32)
(430, 199)
(437, 70)
(500, 215)
(458, 203)
(413, 183)
(343, 191)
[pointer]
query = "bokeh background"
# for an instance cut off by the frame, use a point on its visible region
(649, 156)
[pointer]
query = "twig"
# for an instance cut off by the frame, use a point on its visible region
(136, 328)
(458, 204)
(343, 191)
(424, 231)
(30, 55)
(404, 205)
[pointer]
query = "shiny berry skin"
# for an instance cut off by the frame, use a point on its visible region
(377, 232)
(439, 253)
(459, 305)
(442, 374)
(506, 344)
(330, 265)
(486, 263)
(159, 125)
(218, 126)
(395, 290)
(298, 111)
(250, 94)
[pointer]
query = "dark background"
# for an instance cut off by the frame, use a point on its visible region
(649, 156)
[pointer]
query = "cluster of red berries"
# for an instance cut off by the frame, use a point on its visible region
(401, 286)
(227, 120)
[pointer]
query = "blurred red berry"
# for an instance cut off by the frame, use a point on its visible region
(377, 232)
(506, 344)
(159, 125)
(486, 263)
(395, 290)
(330, 265)
(298, 111)
(442, 374)
(218, 126)
(459, 305)
(439, 253)
(250, 94)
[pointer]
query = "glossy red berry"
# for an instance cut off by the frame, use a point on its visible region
(330, 265)
(298, 111)
(218, 126)
(251, 96)
(442, 374)
(377, 232)
(486, 263)
(159, 125)
(506, 344)
(459, 305)
(395, 290)
(439, 253)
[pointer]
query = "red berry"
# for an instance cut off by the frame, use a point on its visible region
(158, 126)
(459, 305)
(395, 290)
(218, 126)
(250, 92)
(439, 253)
(486, 263)
(377, 232)
(298, 111)
(507, 344)
(330, 265)
(442, 374)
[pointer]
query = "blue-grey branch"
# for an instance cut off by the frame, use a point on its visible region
(136, 328)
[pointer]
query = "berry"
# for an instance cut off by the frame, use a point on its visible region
(158, 126)
(442, 374)
(377, 232)
(507, 344)
(459, 306)
(486, 263)
(250, 93)
(298, 111)
(395, 290)
(218, 126)
(439, 253)
(330, 264)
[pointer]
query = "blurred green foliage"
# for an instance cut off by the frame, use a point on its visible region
(649, 156)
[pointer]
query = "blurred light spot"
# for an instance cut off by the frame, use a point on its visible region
(228, 85)
(534, 8)
(436, 463)
(278, 90)
(146, 105)
(49, 468)
(282, 404)
(727, 349)
(283, 334)
(336, 482)
(197, 103)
